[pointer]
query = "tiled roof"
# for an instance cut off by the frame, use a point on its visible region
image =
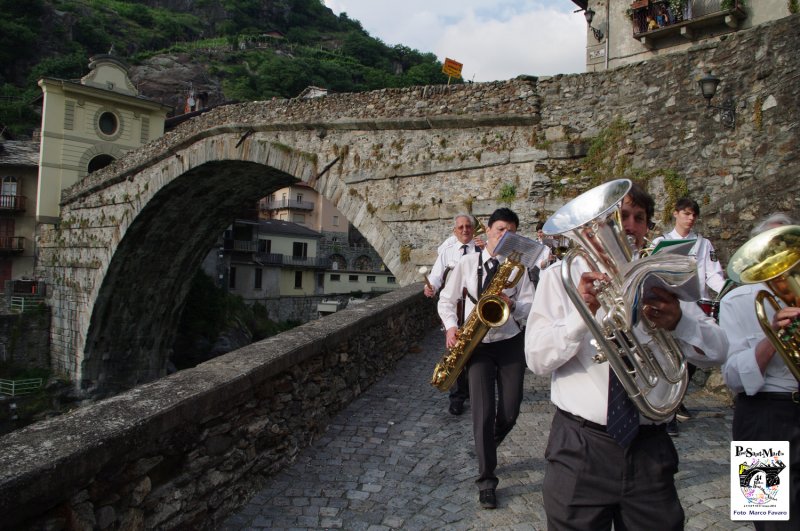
(19, 153)
(277, 226)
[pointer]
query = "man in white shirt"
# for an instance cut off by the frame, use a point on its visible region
(709, 270)
(497, 365)
(462, 242)
(450, 252)
(767, 399)
(593, 481)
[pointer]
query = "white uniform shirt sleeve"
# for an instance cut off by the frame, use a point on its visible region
(449, 296)
(555, 328)
(696, 330)
(436, 276)
(737, 318)
(711, 269)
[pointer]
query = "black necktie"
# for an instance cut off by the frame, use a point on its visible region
(491, 269)
(464, 249)
(623, 418)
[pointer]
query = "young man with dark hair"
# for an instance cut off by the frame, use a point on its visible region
(709, 270)
(599, 474)
(497, 365)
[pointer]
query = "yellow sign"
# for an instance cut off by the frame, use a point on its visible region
(451, 68)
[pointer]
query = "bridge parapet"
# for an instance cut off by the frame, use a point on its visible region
(183, 451)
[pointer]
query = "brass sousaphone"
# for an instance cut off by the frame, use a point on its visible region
(773, 258)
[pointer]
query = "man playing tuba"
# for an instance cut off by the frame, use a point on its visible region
(497, 365)
(767, 402)
(607, 463)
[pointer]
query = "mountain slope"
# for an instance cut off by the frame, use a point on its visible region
(232, 49)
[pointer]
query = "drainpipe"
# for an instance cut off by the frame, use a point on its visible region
(608, 30)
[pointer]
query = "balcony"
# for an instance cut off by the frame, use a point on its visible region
(15, 203)
(310, 262)
(12, 244)
(268, 259)
(280, 204)
(654, 20)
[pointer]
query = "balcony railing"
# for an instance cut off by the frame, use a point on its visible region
(268, 258)
(655, 19)
(12, 202)
(299, 261)
(279, 204)
(12, 244)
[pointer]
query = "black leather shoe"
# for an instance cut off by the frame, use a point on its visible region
(488, 499)
(456, 408)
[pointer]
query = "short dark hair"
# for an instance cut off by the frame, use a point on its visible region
(687, 202)
(642, 199)
(503, 214)
(540, 225)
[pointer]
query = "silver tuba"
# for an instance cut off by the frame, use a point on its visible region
(654, 378)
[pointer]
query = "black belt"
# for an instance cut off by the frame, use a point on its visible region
(787, 396)
(643, 428)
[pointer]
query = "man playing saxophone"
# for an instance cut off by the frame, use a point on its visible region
(498, 363)
(606, 463)
(767, 400)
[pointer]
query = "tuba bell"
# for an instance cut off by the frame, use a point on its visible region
(773, 257)
(655, 379)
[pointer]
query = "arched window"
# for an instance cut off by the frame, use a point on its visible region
(99, 162)
(338, 262)
(362, 263)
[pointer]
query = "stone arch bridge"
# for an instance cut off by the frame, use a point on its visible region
(399, 163)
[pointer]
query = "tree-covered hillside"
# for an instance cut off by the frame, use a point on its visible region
(253, 49)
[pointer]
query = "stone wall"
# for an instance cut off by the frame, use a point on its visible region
(25, 339)
(183, 451)
(399, 163)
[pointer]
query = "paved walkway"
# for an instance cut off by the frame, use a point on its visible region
(395, 459)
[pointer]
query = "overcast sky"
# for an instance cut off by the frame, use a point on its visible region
(493, 39)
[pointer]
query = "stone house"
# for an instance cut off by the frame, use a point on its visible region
(624, 32)
(87, 125)
(19, 166)
(355, 266)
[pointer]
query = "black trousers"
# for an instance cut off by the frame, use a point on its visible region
(495, 372)
(591, 482)
(460, 390)
(764, 417)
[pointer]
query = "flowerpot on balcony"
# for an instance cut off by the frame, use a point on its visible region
(638, 4)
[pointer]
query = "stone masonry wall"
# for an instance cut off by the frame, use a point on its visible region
(181, 452)
(24, 339)
(399, 163)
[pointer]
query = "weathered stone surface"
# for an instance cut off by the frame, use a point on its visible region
(398, 163)
(181, 451)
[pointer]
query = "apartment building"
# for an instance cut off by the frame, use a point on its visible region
(624, 32)
(19, 167)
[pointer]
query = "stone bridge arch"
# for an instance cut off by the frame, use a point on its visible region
(399, 163)
(120, 262)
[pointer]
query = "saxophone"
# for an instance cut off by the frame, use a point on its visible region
(490, 312)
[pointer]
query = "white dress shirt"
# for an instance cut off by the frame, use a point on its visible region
(737, 317)
(465, 274)
(448, 257)
(557, 342)
(708, 267)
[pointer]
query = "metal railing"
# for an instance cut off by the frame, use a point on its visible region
(26, 304)
(19, 387)
(12, 202)
(658, 14)
(12, 243)
(287, 203)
